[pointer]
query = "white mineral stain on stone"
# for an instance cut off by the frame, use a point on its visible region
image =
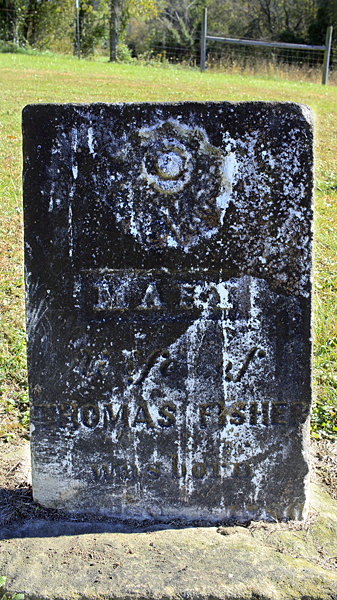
(91, 141)
(171, 242)
(169, 165)
(51, 200)
(70, 230)
(74, 135)
(229, 170)
(283, 166)
(35, 316)
(307, 113)
(55, 491)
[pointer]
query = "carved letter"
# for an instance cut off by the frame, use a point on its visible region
(153, 471)
(151, 298)
(299, 413)
(213, 298)
(244, 367)
(167, 366)
(164, 412)
(175, 467)
(111, 418)
(42, 414)
(241, 470)
(216, 470)
(237, 416)
(205, 412)
(199, 470)
(265, 413)
(143, 416)
(105, 473)
(223, 413)
(68, 413)
(186, 295)
(90, 415)
(128, 471)
(278, 413)
(150, 363)
(253, 413)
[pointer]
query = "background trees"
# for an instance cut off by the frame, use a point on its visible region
(8, 18)
(167, 27)
(326, 15)
(121, 12)
(177, 26)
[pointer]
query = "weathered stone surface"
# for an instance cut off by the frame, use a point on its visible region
(287, 561)
(168, 257)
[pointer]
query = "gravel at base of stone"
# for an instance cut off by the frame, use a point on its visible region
(47, 557)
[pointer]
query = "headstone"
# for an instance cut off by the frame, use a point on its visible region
(168, 273)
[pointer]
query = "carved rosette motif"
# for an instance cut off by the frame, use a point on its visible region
(181, 189)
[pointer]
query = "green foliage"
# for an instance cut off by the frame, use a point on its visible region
(5, 596)
(13, 48)
(161, 26)
(8, 20)
(326, 15)
(93, 27)
(263, 19)
(124, 53)
(175, 30)
(324, 416)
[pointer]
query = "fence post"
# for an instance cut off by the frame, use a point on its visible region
(203, 40)
(78, 31)
(327, 52)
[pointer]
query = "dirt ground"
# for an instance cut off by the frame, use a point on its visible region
(17, 505)
(48, 554)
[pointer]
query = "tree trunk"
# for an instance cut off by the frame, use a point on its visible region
(113, 29)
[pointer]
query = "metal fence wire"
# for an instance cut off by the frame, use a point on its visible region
(242, 57)
(289, 63)
(272, 53)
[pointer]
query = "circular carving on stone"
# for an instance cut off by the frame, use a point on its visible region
(169, 168)
(177, 189)
(169, 165)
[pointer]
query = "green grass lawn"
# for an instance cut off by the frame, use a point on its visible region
(30, 79)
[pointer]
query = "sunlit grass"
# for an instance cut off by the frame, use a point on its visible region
(50, 78)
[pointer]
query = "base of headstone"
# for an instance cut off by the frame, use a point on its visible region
(49, 560)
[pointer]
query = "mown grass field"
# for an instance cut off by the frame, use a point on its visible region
(31, 79)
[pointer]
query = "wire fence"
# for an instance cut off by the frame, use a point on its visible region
(272, 61)
(229, 58)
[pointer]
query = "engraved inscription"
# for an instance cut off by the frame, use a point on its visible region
(168, 322)
(251, 354)
(108, 415)
(177, 470)
(119, 291)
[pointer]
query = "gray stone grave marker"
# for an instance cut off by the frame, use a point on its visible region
(168, 275)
